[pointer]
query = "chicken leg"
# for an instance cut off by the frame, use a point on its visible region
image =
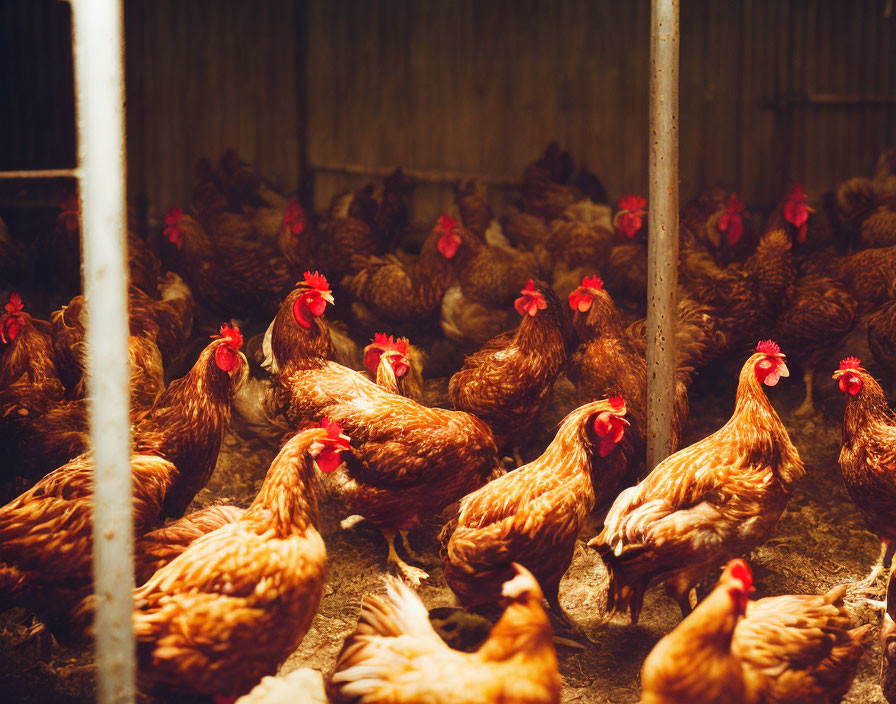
(807, 407)
(883, 563)
(412, 575)
(415, 556)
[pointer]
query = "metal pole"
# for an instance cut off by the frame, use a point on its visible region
(100, 112)
(662, 242)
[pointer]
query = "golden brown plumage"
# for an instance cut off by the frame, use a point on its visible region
(533, 515)
(694, 662)
(229, 609)
(799, 649)
(409, 460)
(717, 498)
(395, 657)
(507, 383)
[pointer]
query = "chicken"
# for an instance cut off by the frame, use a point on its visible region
(508, 382)
(811, 230)
(471, 197)
(868, 213)
(694, 662)
(397, 292)
(157, 548)
(745, 299)
(707, 502)
(46, 532)
(227, 277)
(533, 515)
(390, 364)
(778, 650)
(866, 274)
(476, 307)
(395, 656)
(612, 361)
(626, 269)
(546, 187)
(578, 243)
(882, 333)
(817, 313)
(868, 455)
(409, 461)
(27, 356)
(718, 222)
(799, 649)
(888, 644)
(229, 609)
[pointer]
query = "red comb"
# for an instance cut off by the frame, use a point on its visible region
(15, 304)
(735, 204)
(593, 282)
(617, 403)
(797, 192)
(232, 336)
(632, 203)
(294, 217)
(174, 216)
(741, 571)
(768, 347)
(851, 363)
(334, 430)
(317, 281)
(529, 288)
(446, 224)
(387, 342)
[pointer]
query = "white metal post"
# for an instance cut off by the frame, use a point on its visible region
(98, 47)
(662, 241)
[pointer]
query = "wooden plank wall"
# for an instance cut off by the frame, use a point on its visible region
(203, 75)
(482, 85)
(463, 85)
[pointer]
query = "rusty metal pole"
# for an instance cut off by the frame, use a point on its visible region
(99, 83)
(662, 219)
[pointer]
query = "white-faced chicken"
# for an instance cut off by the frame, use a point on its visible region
(708, 502)
(395, 657)
(229, 609)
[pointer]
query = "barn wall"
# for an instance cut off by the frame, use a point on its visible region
(481, 86)
(463, 85)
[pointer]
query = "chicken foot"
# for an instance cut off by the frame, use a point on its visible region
(680, 591)
(867, 585)
(412, 575)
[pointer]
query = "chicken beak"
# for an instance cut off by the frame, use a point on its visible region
(328, 297)
(783, 371)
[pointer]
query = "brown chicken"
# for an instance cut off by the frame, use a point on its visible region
(625, 271)
(228, 278)
(612, 361)
(26, 356)
(471, 197)
(231, 608)
(882, 334)
(397, 292)
(533, 515)
(508, 382)
(694, 662)
(816, 314)
(778, 650)
(46, 532)
(476, 307)
(866, 274)
(868, 455)
(395, 657)
(745, 299)
(390, 364)
(409, 461)
(546, 187)
(717, 221)
(888, 644)
(707, 502)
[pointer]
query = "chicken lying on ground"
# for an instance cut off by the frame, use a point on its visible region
(533, 515)
(868, 456)
(46, 532)
(778, 650)
(230, 608)
(395, 657)
(706, 503)
(390, 363)
(409, 461)
(508, 382)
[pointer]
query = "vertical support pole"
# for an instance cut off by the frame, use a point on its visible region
(662, 241)
(98, 49)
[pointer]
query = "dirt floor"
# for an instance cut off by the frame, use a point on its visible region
(820, 542)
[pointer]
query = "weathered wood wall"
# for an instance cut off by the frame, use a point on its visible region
(468, 86)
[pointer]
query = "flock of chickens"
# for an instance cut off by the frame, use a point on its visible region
(516, 315)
